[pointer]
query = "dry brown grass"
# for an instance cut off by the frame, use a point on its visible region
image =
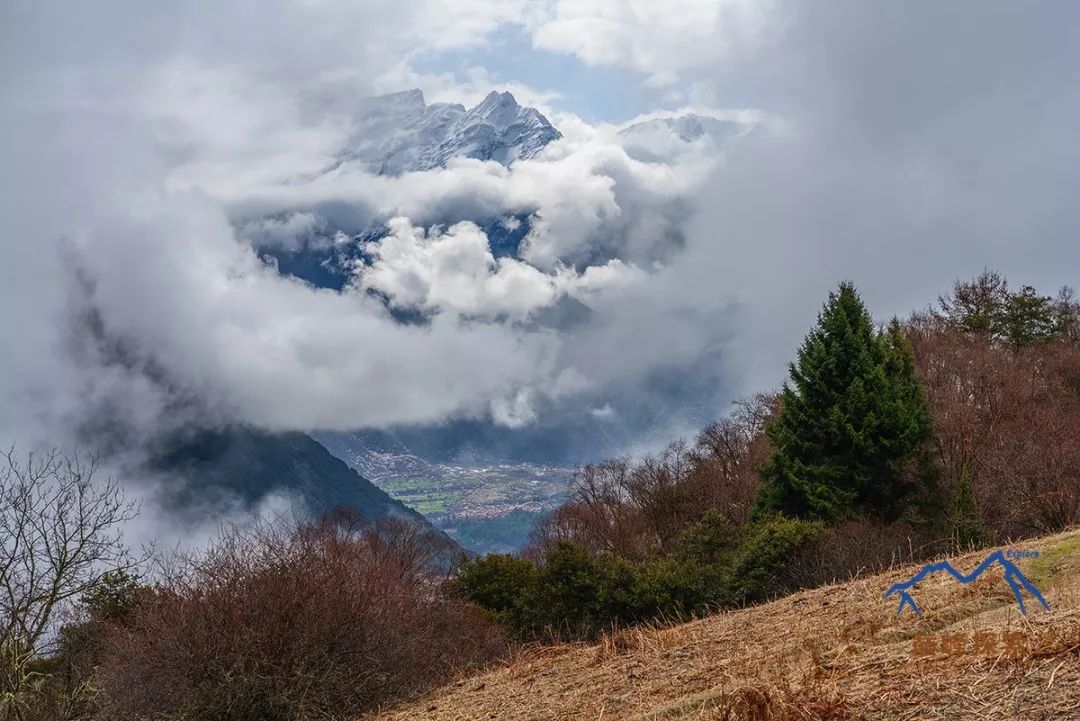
(831, 653)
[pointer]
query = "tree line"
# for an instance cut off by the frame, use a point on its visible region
(954, 428)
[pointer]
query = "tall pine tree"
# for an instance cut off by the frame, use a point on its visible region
(853, 418)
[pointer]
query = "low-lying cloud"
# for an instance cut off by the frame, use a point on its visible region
(893, 145)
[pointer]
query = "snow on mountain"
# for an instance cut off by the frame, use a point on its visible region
(399, 133)
(660, 139)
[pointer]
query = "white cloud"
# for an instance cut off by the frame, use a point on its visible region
(136, 135)
(294, 231)
(658, 39)
(276, 351)
(469, 87)
(453, 270)
(466, 23)
(141, 140)
(516, 411)
(603, 412)
(589, 200)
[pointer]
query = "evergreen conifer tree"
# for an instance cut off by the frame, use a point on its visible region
(1029, 318)
(966, 526)
(853, 418)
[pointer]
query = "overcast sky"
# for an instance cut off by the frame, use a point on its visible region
(896, 144)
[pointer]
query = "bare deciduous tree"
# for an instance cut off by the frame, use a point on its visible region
(635, 509)
(60, 533)
(1007, 418)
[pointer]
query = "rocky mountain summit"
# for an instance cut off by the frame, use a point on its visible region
(400, 133)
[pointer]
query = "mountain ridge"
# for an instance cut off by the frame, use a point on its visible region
(400, 133)
(245, 466)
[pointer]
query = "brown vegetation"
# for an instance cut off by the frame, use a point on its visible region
(282, 621)
(636, 510)
(1009, 419)
(837, 652)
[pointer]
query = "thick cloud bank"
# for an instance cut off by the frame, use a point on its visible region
(150, 154)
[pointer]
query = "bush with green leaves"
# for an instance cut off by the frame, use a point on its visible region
(577, 595)
(711, 541)
(505, 585)
(967, 529)
(767, 563)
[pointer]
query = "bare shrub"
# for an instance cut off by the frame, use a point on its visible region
(60, 534)
(598, 515)
(859, 548)
(640, 509)
(294, 621)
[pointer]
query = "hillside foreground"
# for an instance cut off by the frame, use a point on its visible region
(837, 652)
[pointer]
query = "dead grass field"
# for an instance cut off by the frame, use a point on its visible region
(837, 652)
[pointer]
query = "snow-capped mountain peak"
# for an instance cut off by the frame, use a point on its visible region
(497, 109)
(399, 132)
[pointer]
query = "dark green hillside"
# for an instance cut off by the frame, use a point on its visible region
(217, 466)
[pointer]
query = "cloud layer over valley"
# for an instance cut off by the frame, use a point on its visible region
(153, 158)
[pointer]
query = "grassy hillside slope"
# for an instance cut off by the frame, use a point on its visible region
(837, 652)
